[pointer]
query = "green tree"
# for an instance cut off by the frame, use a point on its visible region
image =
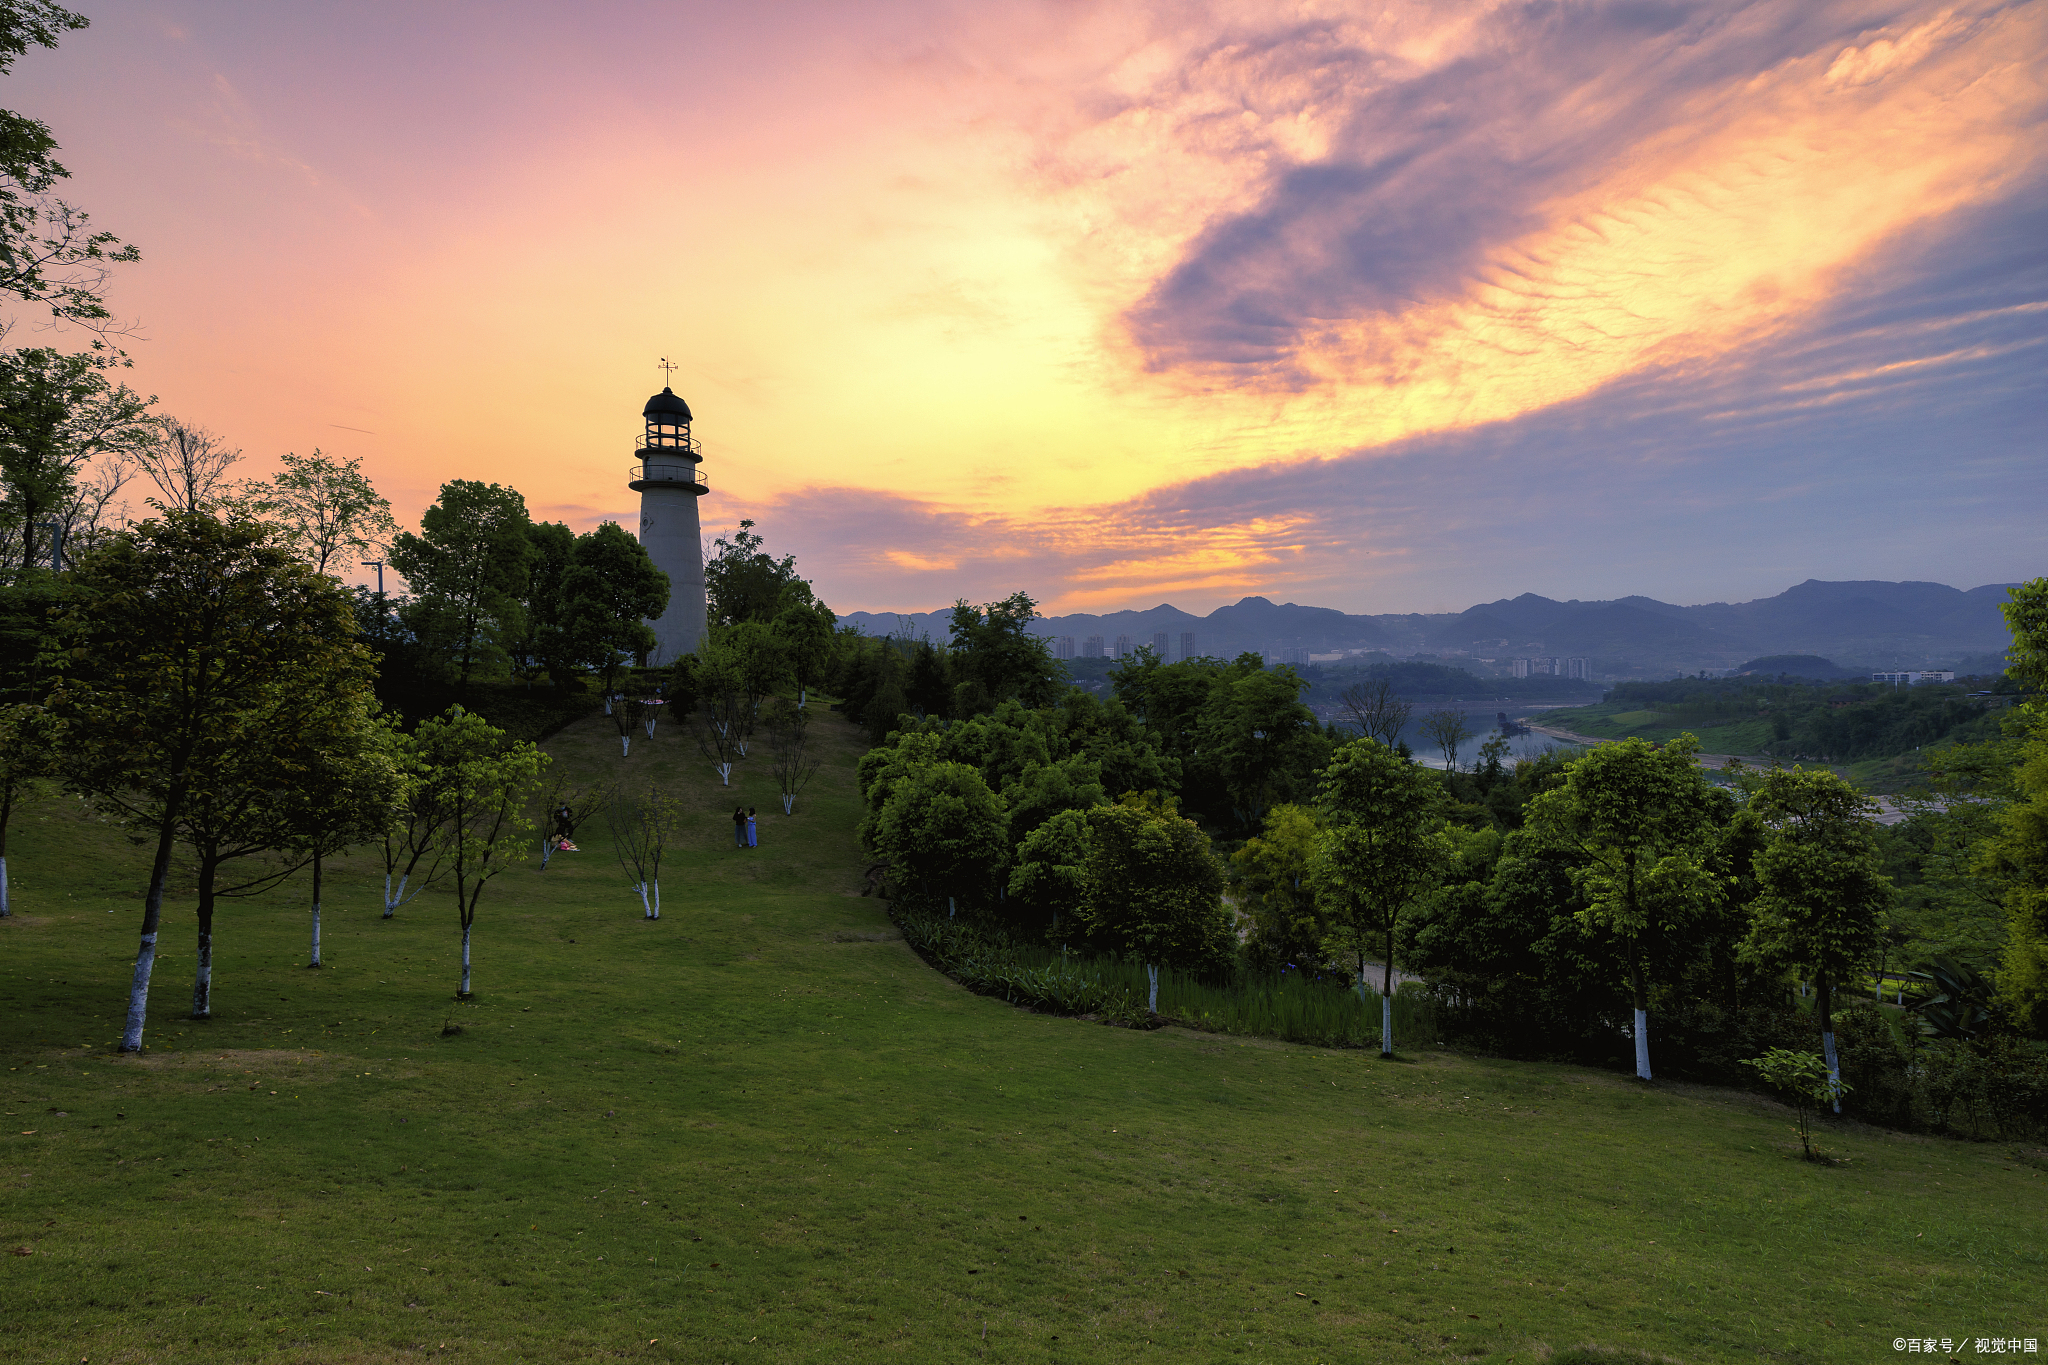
(1382, 850)
(609, 593)
(643, 826)
(942, 828)
(1258, 739)
(1641, 822)
(1154, 890)
(49, 252)
(192, 630)
(331, 513)
(486, 781)
(545, 643)
(1049, 870)
(995, 657)
(346, 787)
(1275, 889)
(468, 569)
(805, 630)
(66, 431)
(1808, 1081)
(743, 583)
(2018, 854)
(1446, 728)
(1821, 892)
(25, 760)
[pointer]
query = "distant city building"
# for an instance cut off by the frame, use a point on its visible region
(1092, 647)
(1160, 642)
(1187, 644)
(1293, 654)
(1912, 677)
(1063, 647)
(1123, 646)
(1553, 667)
(1582, 669)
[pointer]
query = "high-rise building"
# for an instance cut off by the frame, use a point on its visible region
(1091, 648)
(1187, 644)
(1581, 669)
(1293, 654)
(1123, 646)
(1063, 647)
(1160, 641)
(669, 480)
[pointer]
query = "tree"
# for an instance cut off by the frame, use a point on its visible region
(722, 694)
(642, 828)
(49, 252)
(763, 666)
(1049, 870)
(486, 780)
(1821, 890)
(348, 788)
(995, 657)
(1275, 889)
(609, 593)
(191, 630)
(189, 466)
(1383, 848)
(1808, 1081)
(468, 570)
(330, 511)
(2018, 854)
(25, 759)
(1446, 728)
(413, 843)
(545, 642)
(1377, 711)
(1641, 822)
(789, 733)
(1259, 739)
(562, 801)
(805, 630)
(742, 583)
(1154, 890)
(67, 437)
(942, 828)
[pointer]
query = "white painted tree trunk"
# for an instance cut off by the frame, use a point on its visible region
(202, 978)
(1642, 1031)
(787, 802)
(1152, 988)
(741, 744)
(949, 907)
(138, 995)
(803, 696)
(1386, 1026)
(1827, 1050)
(657, 901)
(649, 722)
(547, 851)
(391, 902)
(625, 745)
(607, 705)
(5, 909)
(724, 771)
(315, 961)
(646, 908)
(465, 959)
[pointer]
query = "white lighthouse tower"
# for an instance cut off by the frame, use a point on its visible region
(669, 482)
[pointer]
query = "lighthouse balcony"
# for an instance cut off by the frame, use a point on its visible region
(666, 474)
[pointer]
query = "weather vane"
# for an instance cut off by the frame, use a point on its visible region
(668, 371)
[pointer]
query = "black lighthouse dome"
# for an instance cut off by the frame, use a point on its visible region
(667, 407)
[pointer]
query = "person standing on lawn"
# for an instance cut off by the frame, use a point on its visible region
(753, 831)
(739, 826)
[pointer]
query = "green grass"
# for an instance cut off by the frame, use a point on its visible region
(1619, 720)
(762, 1130)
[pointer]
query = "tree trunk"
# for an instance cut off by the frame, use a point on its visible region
(949, 907)
(5, 910)
(152, 915)
(547, 851)
(724, 774)
(787, 802)
(202, 971)
(314, 961)
(625, 745)
(465, 961)
(1387, 999)
(1641, 992)
(646, 909)
(657, 901)
(6, 814)
(391, 904)
(1152, 981)
(1824, 1006)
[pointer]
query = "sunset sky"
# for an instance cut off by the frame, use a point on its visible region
(1387, 307)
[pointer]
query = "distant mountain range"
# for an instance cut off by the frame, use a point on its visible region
(1858, 624)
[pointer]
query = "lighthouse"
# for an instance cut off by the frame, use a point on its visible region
(669, 480)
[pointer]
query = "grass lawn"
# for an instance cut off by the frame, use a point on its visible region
(1620, 720)
(762, 1130)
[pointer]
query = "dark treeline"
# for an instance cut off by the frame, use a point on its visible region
(1833, 722)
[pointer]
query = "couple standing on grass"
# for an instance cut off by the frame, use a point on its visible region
(743, 832)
